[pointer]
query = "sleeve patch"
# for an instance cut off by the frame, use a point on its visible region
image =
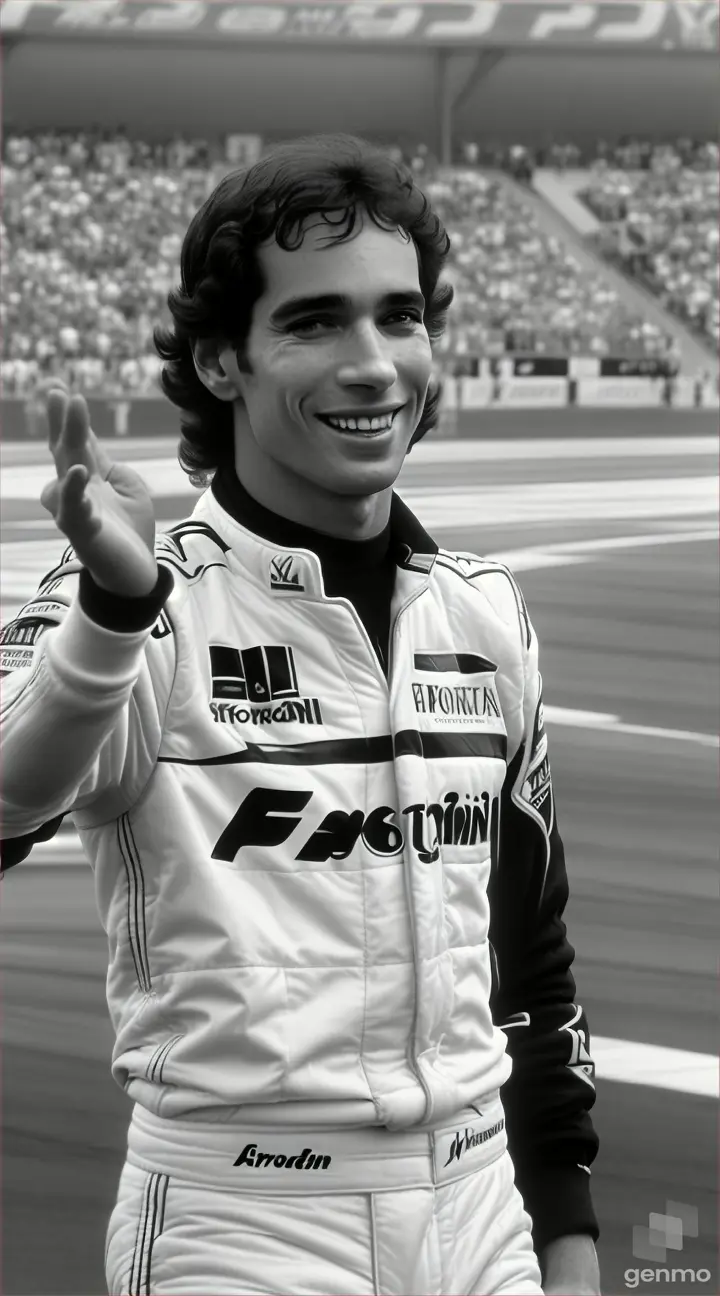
(12, 659)
(25, 631)
(537, 789)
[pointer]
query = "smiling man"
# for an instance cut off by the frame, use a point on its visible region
(339, 365)
(304, 749)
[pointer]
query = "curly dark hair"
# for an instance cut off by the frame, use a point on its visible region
(221, 278)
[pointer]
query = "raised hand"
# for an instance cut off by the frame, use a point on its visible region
(104, 508)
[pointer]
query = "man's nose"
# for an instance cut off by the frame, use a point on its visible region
(367, 361)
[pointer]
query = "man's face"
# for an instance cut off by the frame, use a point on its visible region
(337, 336)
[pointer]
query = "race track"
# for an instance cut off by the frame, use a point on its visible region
(615, 547)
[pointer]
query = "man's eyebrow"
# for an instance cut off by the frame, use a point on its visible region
(337, 302)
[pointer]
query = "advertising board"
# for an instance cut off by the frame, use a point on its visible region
(584, 367)
(622, 393)
(533, 393)
(476, 393)
(609, 24)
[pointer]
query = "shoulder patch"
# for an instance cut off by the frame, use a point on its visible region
(466, 565)
(191, 548)
(470, 567)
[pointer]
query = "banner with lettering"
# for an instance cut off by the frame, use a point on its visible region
(609, 24)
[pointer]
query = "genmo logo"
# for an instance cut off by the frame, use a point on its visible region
(661, 1234)
(633, 1277)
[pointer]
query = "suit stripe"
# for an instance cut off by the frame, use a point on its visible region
(342, 751)
(135, 1268)
(135, 902)
(436, 746)
(154, 1068)
(159, 1196)
(360, 751)
(458, 663)
(150, 1226)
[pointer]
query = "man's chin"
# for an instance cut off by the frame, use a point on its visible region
(364, 479)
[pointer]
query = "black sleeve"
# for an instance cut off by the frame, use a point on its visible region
(16, 849)
(549, 1095)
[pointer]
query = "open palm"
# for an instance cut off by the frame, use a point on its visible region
(104, 508)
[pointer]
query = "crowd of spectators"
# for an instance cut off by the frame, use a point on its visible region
(660, 223)
(518, 289)
(92, 226)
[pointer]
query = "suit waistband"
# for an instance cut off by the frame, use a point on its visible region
(273, 1159)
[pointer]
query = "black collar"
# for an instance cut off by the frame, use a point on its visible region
(403, 536)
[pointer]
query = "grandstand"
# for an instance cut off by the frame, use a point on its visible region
(660, 211)
(93, 225)
(93, 215)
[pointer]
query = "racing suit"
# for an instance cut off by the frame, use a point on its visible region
(333, 889)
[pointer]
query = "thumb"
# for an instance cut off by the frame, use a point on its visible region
(49, 497)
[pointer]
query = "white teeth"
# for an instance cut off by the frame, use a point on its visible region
(380, 424)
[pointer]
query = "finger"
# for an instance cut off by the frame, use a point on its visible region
(75, 504)
(104, 463)
(76, 480)
(47, 385)
(74, 446)
(56, 406)
(49, 496)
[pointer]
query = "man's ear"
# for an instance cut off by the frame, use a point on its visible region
(214, 365)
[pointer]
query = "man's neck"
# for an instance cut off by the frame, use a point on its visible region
(277, 488)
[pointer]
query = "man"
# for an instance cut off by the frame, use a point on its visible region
(304, 749)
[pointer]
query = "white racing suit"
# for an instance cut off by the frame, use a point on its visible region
(332, 899)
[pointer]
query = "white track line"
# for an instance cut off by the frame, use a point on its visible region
(627, 1062)
(563, 502)
(571, 719)
(432, 451)
(577, 551)
(480, 451)
(660, 496)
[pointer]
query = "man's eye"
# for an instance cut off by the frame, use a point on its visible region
(311, 324)
(316, 323)
(407, 317)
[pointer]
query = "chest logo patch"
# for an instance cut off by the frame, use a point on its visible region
(444, 691)
(258, 686)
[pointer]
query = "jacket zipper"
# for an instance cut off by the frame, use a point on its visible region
(408, 887)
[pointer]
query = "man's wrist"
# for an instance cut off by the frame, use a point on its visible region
(570, 1263)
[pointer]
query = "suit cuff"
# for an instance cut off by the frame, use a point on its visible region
(558, 1200)
(124, 615)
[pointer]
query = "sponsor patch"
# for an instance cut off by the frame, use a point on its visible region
(456, 690)
(306, 1159)
(44, 607)
(15, 658)
(258, 686)
(580, 1062)
(268, 817)
(162, 627)
(284, 573)
(477, 1138)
